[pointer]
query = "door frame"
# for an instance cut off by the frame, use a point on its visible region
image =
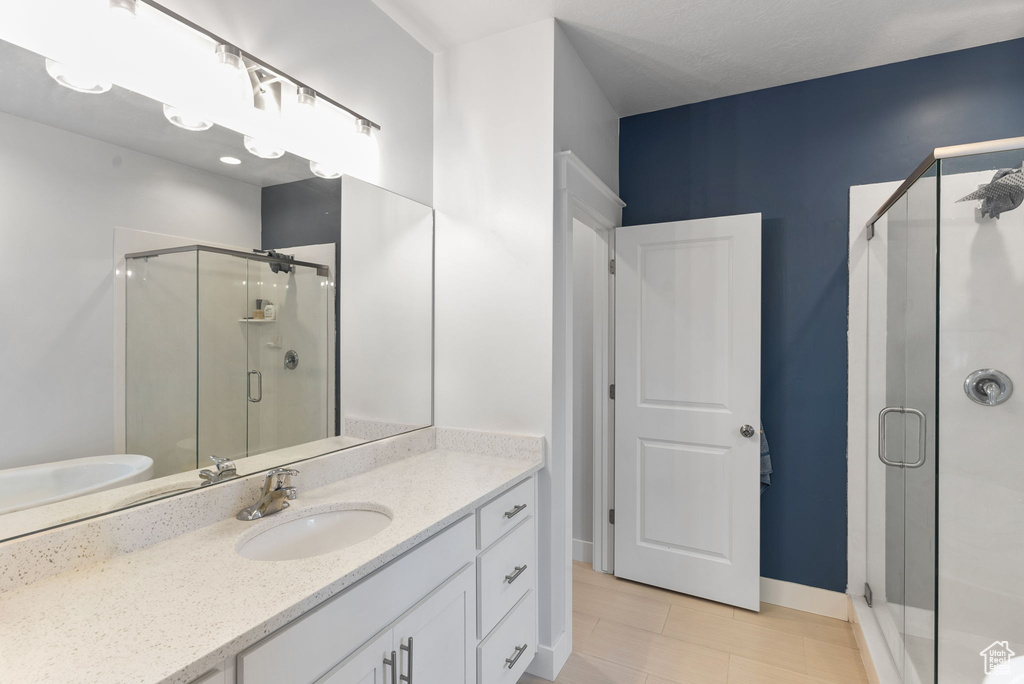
(582, 195)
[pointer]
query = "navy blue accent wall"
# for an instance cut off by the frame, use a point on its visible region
(305, 212)
(792, 154)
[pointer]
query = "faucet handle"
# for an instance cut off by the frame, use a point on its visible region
(223, 464)
(284, 478)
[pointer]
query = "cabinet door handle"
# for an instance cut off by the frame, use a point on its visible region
(520, 650)
(393, 665)
(408, 649)
(512, 577)
(516, 510)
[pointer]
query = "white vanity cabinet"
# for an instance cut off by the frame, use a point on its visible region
(507, 585)
(460, 608)
(431, 644)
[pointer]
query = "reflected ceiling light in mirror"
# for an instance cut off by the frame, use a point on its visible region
(262, 148)
(203, 79)
(327, 170)
(76, 79)
(231, 161)
(186, 120)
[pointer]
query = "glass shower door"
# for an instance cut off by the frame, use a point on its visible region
(222, 295)
(901, 480)
(286, 351)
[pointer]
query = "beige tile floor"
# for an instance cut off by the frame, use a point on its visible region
(628, 633)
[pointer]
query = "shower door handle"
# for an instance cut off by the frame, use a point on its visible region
(921, 438)
(259, 386)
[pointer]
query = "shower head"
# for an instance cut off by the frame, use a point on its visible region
(1004, 193)
(282, 266)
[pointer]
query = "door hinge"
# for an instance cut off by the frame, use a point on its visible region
(611, 516)
(611, 392)
(611, 266)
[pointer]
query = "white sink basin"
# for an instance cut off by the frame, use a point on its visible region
(314, 534)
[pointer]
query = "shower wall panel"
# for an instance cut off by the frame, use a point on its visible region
(981, 467)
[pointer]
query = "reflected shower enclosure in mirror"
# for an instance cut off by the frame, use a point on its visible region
(168, 308)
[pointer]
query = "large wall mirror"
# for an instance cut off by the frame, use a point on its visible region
(194, 290)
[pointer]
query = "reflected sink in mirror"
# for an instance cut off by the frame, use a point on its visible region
(37, 485)
(314, 534)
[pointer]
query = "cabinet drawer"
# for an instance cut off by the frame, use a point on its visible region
(305, 649)
(505, 654)
(505, 572)
(505, 512)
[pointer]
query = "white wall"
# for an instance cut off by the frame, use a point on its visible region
(587, 125)
(585, 121)
(352, 52)
(503, 106)
(492, 195)
(493, 180)
(63, 196)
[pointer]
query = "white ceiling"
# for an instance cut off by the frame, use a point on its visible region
(652, 54)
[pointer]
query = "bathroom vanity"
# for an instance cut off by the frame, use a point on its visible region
(446, 592)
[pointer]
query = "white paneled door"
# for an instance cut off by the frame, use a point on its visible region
(687, 407)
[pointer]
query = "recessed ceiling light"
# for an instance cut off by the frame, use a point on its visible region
(233, 161)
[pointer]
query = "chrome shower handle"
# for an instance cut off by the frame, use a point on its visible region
(921, 440)
(259, 386)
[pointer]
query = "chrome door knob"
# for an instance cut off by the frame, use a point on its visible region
(747, 430)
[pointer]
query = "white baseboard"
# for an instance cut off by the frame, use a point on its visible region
(831, 604)
(550, 660)
(582, 551)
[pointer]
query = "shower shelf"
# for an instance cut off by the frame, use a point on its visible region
(257, 320)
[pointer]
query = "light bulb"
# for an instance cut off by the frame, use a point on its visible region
(186, 120)
(365, 151)
(262, 149)
(325, 170)
(305, 98)
(232, 76)
(76, 79)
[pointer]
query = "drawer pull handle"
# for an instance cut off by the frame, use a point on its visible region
(408, 649)
(515, 575)
(393, 664)
(515, 511)
(520, 650)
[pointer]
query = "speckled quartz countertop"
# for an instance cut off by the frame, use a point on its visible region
(174, 610)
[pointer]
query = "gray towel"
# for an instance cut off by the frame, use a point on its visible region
(766, 463)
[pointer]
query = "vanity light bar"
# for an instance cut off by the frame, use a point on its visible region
(247, 57)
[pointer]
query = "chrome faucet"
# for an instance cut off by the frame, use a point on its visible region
(225, 470)
(277, 492)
